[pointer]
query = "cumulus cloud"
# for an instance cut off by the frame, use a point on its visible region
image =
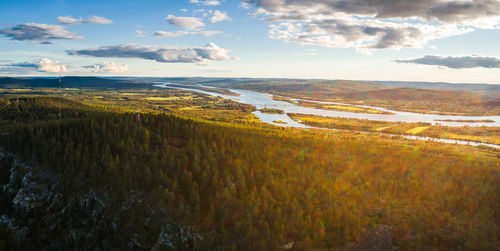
(98, 20)
(206, 2)
(42, 65)
(90, 20)
(108, 67)
(38, 32)
(455, 62)
(361, 34)
(185, 33)
(449, 11)
(374, 24)
(188, 23)
(219, 16)
(164, 54)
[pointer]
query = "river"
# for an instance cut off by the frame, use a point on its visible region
(264, 100)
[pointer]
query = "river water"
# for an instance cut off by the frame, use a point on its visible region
(264, 100)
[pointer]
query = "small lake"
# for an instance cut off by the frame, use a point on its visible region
(264, 100)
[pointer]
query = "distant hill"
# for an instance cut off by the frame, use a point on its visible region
(354, 84)
(71, 82)
(441, 86)
(318, 88)
(409, 94)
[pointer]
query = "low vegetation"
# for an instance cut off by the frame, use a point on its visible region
(272, 111)
(208, 89)
(338, 107)
(279, 122)
(326, 106)
(484, 134)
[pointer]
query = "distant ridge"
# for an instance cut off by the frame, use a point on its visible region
(145, 82)
(70, 82)
(440, 85)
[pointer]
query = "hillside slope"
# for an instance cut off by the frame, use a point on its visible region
(104, 181)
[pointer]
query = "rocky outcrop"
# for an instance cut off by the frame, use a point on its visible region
(41, 213)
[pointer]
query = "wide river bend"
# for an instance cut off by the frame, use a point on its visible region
(264, 100)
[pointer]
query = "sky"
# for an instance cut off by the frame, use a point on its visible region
(392, 40)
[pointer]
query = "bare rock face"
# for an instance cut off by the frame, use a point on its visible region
(33, 194)
(40, 213)
(30, 188)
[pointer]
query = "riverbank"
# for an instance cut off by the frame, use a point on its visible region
(263, 100)
(489, 135)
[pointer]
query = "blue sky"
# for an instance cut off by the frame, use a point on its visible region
(264, 38)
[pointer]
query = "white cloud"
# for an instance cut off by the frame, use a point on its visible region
(89, 20)
(205, 2)
(38, 32)
(460, 62)
(69, 20)
(446, 11)
(245, 5)
(42, 65)
(212, 52)
(362, 34)
(164, 54)
(98, 20)
(374, 24)
(140, 33)
(188, 23)
(185, 33)
(219, 16)
(108, 67)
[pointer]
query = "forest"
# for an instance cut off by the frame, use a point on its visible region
(96, 178)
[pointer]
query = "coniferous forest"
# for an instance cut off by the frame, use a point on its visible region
(100, 179)
(221, 125)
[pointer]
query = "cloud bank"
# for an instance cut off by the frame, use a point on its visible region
(38, 32)
(374, 24)
(455, 62)
(108, 67)
(42, 65)
(164, 54)
(89, 20)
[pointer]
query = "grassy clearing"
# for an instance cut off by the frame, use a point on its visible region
(167, 98)
(384, 128)
(279, 122)
(189, 108)
(131, 93)
(417, 130)
(343, 107)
